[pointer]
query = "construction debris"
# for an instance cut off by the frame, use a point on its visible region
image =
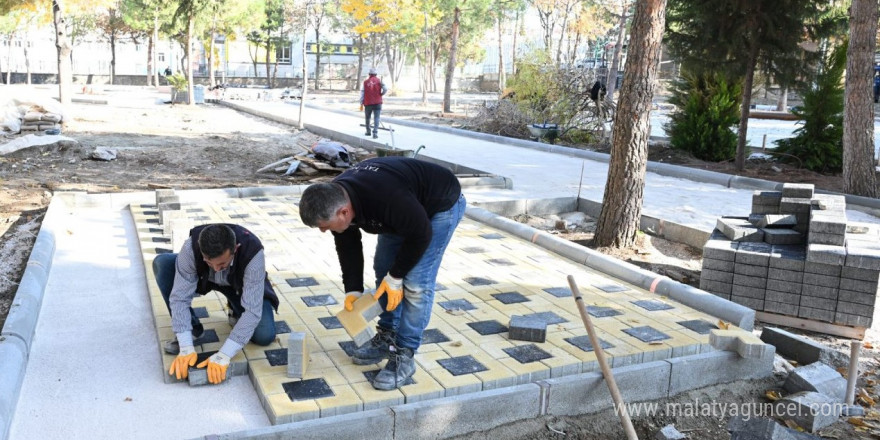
(18, 116)
(325, 160)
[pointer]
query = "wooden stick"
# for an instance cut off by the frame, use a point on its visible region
(854, 348)
(620, 408)
(274, 164)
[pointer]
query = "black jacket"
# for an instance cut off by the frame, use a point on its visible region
(392, 195)
(249, 245)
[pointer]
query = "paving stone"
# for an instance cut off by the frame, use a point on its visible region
(794, 205)
(852, 411)
(809, 409)
(510, 297)
(852, 320)
(757, 282)
(780, 308)
(433, 336)
(319, 300)
(698, 325)
(770, 198)
(714, 367)
(717, 275)
(500, 262)
(757, 254)
(772, 221)
(646, 334)
(725, 250)
(721, 265)
(748, 427)
(859, 274)
(858, 285)
(480, 281)
(739, 229)
(798, 190)
(297, 355)
(584, 343)
(716, 287)
(473, 250)
(491, 327)
(611, 288)
(813, 290)
(818, 377)
(492, 236)
(462, 365)
(549, 318)
(765, 209)
(301, 282)
(816, 314)
(833, 224)
(669, 432)
(790, 276)
(200, 312)
(782, 236)
(559, 292)
(788, 257)
(829, 202)
(525, 354)
(348, 347)
(276, 356)
(866, 299)
(750, 270)
(819, 279)
(818, 303)
(863, 258)
(782, 297)
(652, 305)
(281, 327)
(752, 302)
(527, 329)
(356, 322)
(208, 337)
(784, 286)
(850, 308)
(826, 239)
(457, 304)
(744, 343)
(602, 312)
(588, 393)
(309, 389)
(330, 322)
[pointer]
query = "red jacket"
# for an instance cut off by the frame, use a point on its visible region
(373, 91)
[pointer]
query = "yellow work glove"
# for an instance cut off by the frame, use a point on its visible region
(180, 365)
(393, 288)
(217, 365)
(350, 298)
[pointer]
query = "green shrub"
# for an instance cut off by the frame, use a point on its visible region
(535, 90)
(818, 143)
(177, 81)
(707, 107)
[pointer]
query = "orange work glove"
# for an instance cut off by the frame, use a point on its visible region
(350, 298)
(393, 287)
(180, 365)
(217, 365)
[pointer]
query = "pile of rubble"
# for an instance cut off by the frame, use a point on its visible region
(20, 116)
(324, 158)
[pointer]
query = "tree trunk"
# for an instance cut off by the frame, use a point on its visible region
(190, 28)
(624, 189)
(305, 83)
(317, 57)
(859, 175)
(269, 66)
(62, 44)
(392, 61)
(611, 80)
(740, 161)
(516, 28)
(150, 61)
(782, 103)
(501, 78)
(113, 57)
(212, 81)
(155, 38)
(360, 70)
(27, 62)
(450, 68)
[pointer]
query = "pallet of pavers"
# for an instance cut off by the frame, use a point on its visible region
(796, 261)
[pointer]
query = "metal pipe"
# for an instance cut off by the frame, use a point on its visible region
(854, 348)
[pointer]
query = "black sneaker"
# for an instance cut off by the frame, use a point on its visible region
(374, 351)
(367, 133)
(375, 136)
(397, 371)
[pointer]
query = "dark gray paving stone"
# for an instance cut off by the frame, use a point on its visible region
(201, 218)
(652, 305)
(281, 327)
(156, 230)
(201, 312)
(500, 262)
(277, 213)
(319, 300)
(239, 215)
(473, 250)
(370, 375)
(330, 322)
(208, 337)
(276, 356)
(153, 221)
(525, 354)
(309, 389)
(151, 212)
(611, 288)
(462, 365)
(602, 312)
(698, 325)
(301, 282)
(492, 236)
(646, 334)
(163, 251)
(348, 347)
(161, 240)
(456, 304)
(260, 199)
(510, 297)
(479, 281)
(484, 328)
(433, 336)
(583, 342)
(549, 318)
(524, 328)
(559, 292)
(438, 287)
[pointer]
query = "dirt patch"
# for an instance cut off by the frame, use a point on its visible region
(210, 146)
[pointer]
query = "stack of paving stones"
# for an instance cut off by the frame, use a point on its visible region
(796, 255)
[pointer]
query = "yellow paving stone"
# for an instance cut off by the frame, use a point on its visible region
(424, 388)
(428, 361)
(253, 351)
(456, 385)
(374, 399)
(496, 375)
(526, 373)
(562, 363)
(261, 367)
(331, 342)
(345, 400)
(282, 410)
(461, 347)
(320, 361)
(355, 373)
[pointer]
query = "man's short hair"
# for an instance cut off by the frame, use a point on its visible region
(215, 240)
(320, 201)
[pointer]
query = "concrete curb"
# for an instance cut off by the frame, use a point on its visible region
(17, 334)
(721, 308)
(584, 393)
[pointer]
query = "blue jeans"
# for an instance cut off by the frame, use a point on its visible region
(165, 267)
(376, 110)
(411, 317)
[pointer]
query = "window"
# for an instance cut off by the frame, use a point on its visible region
(161, 57)
(282, 54)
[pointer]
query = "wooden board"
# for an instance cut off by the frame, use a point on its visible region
(813, 326)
